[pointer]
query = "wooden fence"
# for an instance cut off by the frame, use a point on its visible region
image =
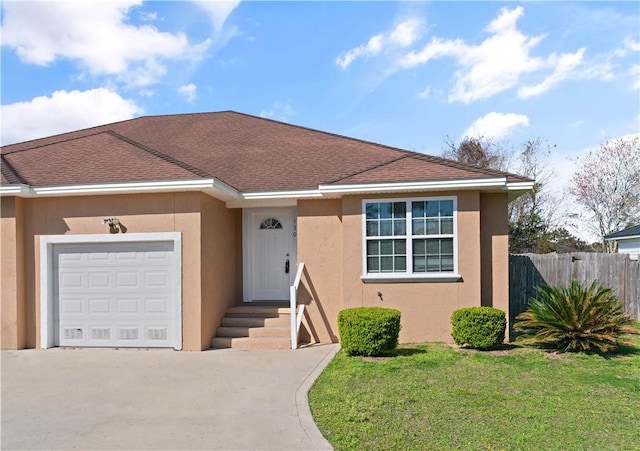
(617, 271)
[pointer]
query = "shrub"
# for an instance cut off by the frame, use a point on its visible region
(478, 327)
(368, 331)
(574, 319)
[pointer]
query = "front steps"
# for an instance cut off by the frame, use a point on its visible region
(254, 327)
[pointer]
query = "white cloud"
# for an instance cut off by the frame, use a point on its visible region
(402, 35)
(496, 125)
(370, 48)
(500, 61)
(96, 35)
(62, 112)
(280, 111)
(564, 65)
(425, 93)
(632, 44)
(218, 10)
(188, 92)
(490, 67)
(634, 71)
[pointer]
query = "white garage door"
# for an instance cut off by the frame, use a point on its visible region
(115, 294)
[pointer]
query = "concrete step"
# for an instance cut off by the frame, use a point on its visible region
(251, 343)
(255, 322)
(253, 332)
(258, 310)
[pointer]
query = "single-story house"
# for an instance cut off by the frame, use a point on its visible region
(150, 232)
(628, 241)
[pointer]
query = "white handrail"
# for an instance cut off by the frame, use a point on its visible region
(293, 304)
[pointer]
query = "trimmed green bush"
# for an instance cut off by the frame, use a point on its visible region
(368, 331)
(574, 319)
(478, 327)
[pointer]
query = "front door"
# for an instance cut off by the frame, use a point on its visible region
(270, 257)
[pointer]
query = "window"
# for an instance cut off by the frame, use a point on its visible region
(270, 223)
(410, 237)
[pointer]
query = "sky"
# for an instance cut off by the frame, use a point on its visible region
(413, 75)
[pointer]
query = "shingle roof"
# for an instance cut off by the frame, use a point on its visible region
(626, 233)
(249, 153)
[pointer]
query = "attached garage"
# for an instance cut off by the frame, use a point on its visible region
(111, 290)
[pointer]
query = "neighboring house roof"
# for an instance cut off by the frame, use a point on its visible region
(247, 153)
(631, 232)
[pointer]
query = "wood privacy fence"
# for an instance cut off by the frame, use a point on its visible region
(617, 271)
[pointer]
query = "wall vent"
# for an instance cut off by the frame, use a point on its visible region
(157, 334)
(104, 333)
(128, 334)
(73, 333)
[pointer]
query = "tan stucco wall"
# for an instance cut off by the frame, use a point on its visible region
(221, 244)
(330, 245)
(12, 309)
(320, 247)
(171, 212)
(494, 232)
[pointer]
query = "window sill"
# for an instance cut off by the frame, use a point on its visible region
(411, 279)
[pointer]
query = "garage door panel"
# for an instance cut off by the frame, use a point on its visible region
(100, 306)
(70, 306)
(116, 294)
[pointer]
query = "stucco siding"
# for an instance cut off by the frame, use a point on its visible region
(333, 228)
(494, 230)
(221, 278)
(12, 273)
(146, 213)
(426, 306)
(320, 248)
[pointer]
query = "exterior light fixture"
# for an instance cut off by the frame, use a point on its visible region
(114, 225)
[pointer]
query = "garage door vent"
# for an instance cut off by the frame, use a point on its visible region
(104, 333)
(157, 334)
(74, 333)
(128, 334)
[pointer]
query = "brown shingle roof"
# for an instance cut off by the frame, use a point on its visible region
(248, 153)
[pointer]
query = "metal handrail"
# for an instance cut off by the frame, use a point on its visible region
(293, 296)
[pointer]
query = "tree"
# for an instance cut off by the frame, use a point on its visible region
(478, 152)
(532, 217)
(607, 184)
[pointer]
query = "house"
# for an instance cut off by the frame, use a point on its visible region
(151, 231)
(628, 241)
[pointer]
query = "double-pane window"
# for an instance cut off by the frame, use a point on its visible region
(411, 236)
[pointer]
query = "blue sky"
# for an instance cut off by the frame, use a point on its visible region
(406, 74)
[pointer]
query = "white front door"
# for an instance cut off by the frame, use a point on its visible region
(270, 256)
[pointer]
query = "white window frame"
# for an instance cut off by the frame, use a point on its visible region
(409, 275)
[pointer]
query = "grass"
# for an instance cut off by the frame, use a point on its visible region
(435, 396)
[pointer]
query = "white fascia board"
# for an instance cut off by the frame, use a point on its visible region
(519, 186)
(302, 194)
(630, 237)
(496, 182)
(213, 185)
(20, 190)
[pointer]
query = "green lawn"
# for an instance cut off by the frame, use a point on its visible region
(434, 396)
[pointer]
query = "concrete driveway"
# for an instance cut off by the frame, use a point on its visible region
(160, 399)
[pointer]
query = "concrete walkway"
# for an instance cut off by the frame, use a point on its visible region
(160, 399)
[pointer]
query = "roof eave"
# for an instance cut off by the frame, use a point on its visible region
(210, 186)
(485, 184)
(620, 238)
(17, 190)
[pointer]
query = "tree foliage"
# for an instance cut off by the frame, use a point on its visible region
(607, 184)
(533, 217)
(478, 152)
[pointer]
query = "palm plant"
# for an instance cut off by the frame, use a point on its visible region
(574, 319)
